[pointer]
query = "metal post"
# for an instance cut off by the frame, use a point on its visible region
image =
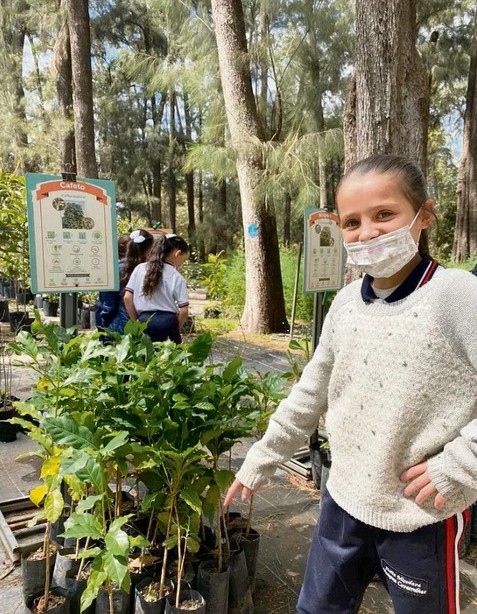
(295, 290)
(69, 300)
(318, 316)
(68, 309)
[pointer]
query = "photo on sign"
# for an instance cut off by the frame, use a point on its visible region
(74, 217)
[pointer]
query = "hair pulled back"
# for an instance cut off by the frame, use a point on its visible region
(162, 248)
(409, 178)
(140, 241)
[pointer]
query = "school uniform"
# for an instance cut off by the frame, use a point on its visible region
(396, 378)
(161, 308)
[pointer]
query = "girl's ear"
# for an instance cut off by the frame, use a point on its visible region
(428, 213)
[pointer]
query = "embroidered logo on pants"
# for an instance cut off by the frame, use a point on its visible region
(408, 584)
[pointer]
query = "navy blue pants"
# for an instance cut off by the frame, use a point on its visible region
(162, 325)
(420, 569)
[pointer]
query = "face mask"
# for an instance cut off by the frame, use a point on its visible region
(385, 255)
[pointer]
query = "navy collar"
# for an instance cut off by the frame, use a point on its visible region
(420, 275)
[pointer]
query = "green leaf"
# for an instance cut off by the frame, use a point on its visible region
(116, 442)
(88, 503)
(68, 433)
(91, 473)
(192, 499)
(82, 525)
(231, 369)
(97, 578)
(122, 349)
(116, 567)
(223, 478)
(192, 544)
(139, 542)
(54, 504)
(117, 542)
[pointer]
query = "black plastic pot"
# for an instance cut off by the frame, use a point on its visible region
(141, 606)
(75, 590)
(240, 595)
(187, 595)
(4, 311)
(24, 296)
(18, 321)
(50, 308)
(8, 432)
(64, 562)
(62, 608)
(34, 572)
(473, 522)
(121, 602)
(84, 318)
(250, 544)
(214, 587)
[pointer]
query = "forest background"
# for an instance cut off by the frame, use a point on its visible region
(224, 120)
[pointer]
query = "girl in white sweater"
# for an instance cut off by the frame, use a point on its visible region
(395, 374)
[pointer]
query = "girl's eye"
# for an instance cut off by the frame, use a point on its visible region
(383, 214)
(350, 224)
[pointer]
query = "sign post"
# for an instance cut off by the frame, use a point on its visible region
(73, 237)
(323, 261)
(324, 264)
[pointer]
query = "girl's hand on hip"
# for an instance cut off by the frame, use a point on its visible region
(420, 482)
(234, 489)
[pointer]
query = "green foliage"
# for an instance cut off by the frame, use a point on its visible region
(160, 410)
(234, 298)
(213, 275)
(14, 255)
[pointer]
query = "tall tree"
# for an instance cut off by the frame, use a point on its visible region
(264, 310)
(388, 103)
(80, 37)
(465, 237)
(64, 89)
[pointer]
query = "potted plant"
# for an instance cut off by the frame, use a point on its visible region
(50, 304)
(8, 431)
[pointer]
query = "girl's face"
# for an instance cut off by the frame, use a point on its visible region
(373, 204)
(179, 258)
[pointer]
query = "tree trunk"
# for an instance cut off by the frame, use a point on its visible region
(200, 213)
(171, 176)
(64, 89)
(157, 115)
(465, 234)
(189, 177)
(78, 23)
(264, 310)
(387, 107)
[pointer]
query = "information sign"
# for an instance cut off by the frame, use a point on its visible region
(323, 251)
(72, 234)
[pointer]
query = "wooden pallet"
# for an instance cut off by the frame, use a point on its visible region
(15, 533)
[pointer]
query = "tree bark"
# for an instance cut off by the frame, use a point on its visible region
(264, 310)
(79, 28)
(287, 220)
(171, 175)
(387, 107)
(465, 234)
(64, 89)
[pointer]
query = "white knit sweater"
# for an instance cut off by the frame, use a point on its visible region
(398, 384)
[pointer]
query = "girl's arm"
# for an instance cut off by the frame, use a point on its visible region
(183, 315)
(129, 304)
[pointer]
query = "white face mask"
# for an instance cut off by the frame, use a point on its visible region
(385, 255)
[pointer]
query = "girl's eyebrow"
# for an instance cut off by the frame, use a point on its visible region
(374, 208)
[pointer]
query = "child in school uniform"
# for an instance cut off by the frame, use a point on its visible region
(156, 292)
(395, 374)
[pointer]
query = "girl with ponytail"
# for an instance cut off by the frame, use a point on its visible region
(156, 292)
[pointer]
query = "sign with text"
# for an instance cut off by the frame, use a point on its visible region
(323, 248)
(72, 234)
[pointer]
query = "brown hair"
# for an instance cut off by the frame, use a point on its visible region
(123, 241)
(162, 247)
(136, 253)
(409, 177)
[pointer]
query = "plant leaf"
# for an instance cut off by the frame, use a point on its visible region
(67, 432)
(37, 494)
(82, 525)
(54, 504)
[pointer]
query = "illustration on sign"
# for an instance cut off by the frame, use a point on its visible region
(72, 233)
(323, 251)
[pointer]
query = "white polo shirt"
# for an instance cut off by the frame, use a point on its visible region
(170, 294)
